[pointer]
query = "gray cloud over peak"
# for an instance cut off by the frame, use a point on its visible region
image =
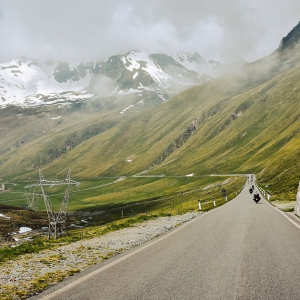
(93, 29)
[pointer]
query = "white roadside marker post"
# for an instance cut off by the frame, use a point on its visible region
(214, 202)
(199, 204)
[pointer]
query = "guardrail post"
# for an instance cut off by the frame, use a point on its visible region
(199, 204)
(297, 206)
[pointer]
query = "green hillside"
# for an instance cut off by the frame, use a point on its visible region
(212, 130)
(243, 122)
(207, 129)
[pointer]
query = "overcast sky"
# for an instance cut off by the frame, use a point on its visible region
(86, 30)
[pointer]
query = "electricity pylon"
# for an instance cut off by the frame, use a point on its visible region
(57, 220)
(32, 200)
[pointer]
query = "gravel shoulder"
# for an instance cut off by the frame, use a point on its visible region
(284, 205)
(32, 272)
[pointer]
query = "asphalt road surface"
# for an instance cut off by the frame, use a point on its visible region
(241, 250)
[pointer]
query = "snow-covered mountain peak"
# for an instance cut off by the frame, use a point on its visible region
(25, 82)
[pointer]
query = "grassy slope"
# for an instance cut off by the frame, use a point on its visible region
(35, 137)
(143, 137)
(265, 137)
(269, 116)
(245, 123)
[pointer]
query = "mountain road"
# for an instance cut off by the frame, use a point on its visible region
(241, 250)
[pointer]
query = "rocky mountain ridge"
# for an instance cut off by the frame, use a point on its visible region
(291, 41)
(27, 83)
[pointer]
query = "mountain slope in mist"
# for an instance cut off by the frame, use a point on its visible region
(247, 121)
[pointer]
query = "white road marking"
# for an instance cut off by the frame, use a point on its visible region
(90, 275)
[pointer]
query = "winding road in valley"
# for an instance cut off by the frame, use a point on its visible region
(240, 250)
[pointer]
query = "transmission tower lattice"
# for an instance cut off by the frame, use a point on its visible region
(57, 220)
(32, 200)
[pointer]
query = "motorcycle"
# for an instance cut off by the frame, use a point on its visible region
(256, 197)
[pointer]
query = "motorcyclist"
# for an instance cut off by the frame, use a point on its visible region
(256, 196)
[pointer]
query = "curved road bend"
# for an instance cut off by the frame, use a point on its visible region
(241, 250)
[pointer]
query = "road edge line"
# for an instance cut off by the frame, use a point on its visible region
(284, 214)
(109, 265)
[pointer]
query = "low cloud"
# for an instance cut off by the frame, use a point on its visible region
(103, 86)
(94, 30)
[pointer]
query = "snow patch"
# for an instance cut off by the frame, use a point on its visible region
(24, 229)
(161, 96)
(141, 102)
(129, 92)
(4, 216)
(145, 88)
(125, 109)
(154, 71)
(135, 75)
